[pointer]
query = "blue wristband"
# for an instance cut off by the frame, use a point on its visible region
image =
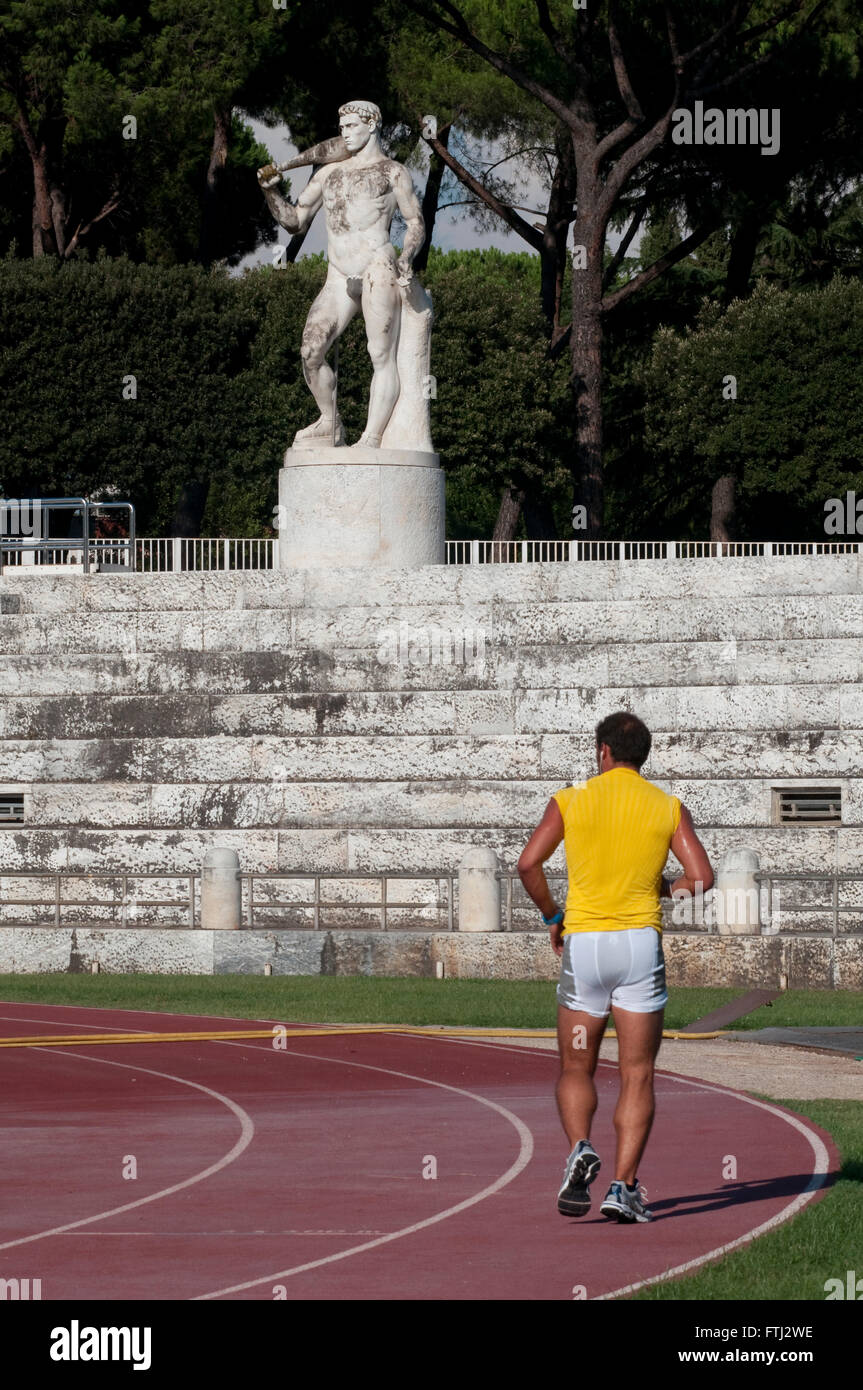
(551, 921)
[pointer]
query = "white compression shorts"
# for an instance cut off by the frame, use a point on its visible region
(601, 968)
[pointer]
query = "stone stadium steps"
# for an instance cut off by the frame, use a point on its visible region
(594, 666)
(666, 709)
(181, 849)
(367, 627)
(299, 804)
(148, 717)
(712, 755)
(578, 581)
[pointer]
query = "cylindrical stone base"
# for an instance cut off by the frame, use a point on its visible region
(479, 890)
(736, 896)
(357, 507)
(221, 889)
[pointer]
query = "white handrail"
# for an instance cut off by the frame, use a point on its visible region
(477, 552)
(167, 554)
(161, 554)
(203, 553)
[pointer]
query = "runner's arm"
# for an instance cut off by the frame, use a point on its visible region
(541, 846)
(688, 849)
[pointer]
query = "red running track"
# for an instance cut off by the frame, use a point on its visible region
(299, 1173)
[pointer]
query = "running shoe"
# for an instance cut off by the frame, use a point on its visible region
(626, 1204)
(582, 1166)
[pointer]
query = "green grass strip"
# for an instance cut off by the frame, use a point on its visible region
(329, 998)
(795, 1261)
(365, 999)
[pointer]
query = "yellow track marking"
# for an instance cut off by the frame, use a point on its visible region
(430, 1031)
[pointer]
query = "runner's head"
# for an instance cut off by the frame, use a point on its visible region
(622, 739)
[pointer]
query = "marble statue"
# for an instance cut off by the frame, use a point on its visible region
(360, 189)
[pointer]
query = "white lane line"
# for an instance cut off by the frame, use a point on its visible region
(219, 1235)
(148, 1013)
(816, 1182)
(525, 1154)
(59, 1023)
(247, 1131)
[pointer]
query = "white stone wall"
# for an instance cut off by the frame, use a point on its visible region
(149, 717)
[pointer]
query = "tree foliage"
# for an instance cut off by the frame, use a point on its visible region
(117, 124)
(219, 390)
(792, 437)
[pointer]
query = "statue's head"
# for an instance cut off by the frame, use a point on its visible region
(358, 122)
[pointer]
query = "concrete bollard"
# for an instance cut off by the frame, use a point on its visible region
(479, 890)
(736, 895)
(221, 891)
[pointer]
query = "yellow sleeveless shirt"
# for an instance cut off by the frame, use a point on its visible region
(617, 832)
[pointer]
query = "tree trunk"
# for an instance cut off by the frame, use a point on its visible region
(38, 247)
(430, 199)
(218, 160)
(295, 244)
(722, 504)
(59, 218)
(743, 247)
(586, 378)
(538, 517)
(49, 203)
(44, 243)
(511, 500)
(557, 220)
(189, 508)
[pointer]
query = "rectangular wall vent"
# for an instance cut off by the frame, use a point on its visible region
(809, 805)
(11, 807)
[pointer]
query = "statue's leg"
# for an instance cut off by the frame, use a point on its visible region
(382, 313)
(328, 318)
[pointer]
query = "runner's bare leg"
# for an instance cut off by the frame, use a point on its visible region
(578, 1037)
(638, 1039)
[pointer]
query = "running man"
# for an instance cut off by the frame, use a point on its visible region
(617, 830)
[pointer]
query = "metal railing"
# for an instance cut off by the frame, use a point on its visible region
(111, 553)
(200, 554)
(834, 907)
(511, 879)
(384, 905)
(164, 554)
(483, 552)
(132, 907)
(129, 904)
(254, 906)
(711, 925)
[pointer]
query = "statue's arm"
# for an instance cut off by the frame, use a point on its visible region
(409, 207)
(294, 217)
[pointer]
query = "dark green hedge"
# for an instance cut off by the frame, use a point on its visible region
(793, 436)
(220, 393)
(220, 389)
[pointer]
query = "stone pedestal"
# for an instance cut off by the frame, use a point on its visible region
(479, 890)
(736, 895)
(355, 507)
(221, 891)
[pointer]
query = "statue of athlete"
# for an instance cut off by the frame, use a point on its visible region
(359, 195)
